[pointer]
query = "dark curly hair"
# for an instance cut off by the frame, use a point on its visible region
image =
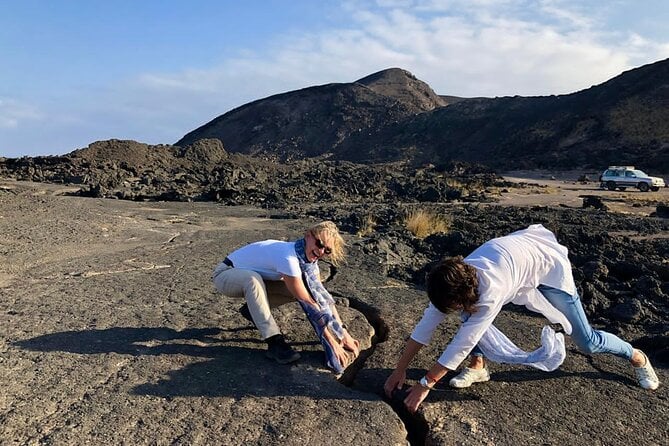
(452, 284)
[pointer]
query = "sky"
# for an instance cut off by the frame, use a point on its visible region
(77, 71)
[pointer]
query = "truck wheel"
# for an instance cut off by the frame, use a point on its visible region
(643, 187)
(655, 189)
(611, 185)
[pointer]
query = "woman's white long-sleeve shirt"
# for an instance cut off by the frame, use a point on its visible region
(509, 270)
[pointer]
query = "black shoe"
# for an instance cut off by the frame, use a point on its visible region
(246, 314)
(280, 351)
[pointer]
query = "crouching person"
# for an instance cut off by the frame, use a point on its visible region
(530, 268)
(271, 273)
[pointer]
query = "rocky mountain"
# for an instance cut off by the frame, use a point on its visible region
(391, 115)
(316, 120)
(624, 120)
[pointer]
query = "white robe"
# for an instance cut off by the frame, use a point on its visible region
(509, 270)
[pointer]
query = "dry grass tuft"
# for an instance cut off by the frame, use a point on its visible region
(453, 183)
(367, 228)
(422, 223)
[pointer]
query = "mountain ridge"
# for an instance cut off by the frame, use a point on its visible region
(392, 115)
(312, 121)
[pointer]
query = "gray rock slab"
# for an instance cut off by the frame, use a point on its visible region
(111, 333)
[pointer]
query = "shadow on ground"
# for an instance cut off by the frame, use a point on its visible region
(232, 371)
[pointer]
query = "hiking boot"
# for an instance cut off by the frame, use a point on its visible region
(468, 376)
(280, 351)
(646, 375)
(246, 314)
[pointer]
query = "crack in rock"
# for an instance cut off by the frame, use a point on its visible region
(415, 424)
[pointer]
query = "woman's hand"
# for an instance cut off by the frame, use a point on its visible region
(350, 343)
(416, 396)
(337, 348)
(395, 381)
(341, 354)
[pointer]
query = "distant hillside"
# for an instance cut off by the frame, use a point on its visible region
(391, 115)
(315, 120)
(624, 120)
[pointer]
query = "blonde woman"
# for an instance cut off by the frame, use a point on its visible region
(271, 273)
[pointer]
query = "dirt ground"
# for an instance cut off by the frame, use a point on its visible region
(111, 333)
(541, 188)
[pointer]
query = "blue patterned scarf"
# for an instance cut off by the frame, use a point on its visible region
(321, 319)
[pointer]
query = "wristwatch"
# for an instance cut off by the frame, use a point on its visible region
(427, 382)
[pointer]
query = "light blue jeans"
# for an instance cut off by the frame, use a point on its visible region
(587, 339)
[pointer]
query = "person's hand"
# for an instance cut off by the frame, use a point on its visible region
(395, 381)
(341, 354)
(351, 344)
(416, 396)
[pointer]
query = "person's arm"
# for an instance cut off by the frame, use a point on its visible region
(397, 378)
(349, 342)
(419, 392)
(421, 336)
(464, 340)
(335, 313)
(298, 290)
(337, 348)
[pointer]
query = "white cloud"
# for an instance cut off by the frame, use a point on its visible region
(14, 113)
(466, 48)
(478, 53)
(567, 15)
(395, 3)
(639, 48)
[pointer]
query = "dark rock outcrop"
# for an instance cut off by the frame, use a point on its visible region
(205, 171)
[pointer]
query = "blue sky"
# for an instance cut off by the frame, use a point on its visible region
(77, 71)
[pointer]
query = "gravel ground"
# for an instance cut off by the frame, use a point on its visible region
(110, 333)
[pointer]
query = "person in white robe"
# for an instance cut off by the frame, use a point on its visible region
(528, 267)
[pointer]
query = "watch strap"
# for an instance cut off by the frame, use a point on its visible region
(424, 382)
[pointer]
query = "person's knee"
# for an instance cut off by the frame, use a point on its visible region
(219, 283)
(588, 349)
(587, 346)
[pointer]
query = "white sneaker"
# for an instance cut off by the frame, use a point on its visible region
(468, 376)
(646, 375)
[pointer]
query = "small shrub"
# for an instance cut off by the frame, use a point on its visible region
(454, 184)
(422, 223)
(367, 226)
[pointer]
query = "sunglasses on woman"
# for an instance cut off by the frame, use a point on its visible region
(321, 245)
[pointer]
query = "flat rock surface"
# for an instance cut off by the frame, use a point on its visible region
(111, 333)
